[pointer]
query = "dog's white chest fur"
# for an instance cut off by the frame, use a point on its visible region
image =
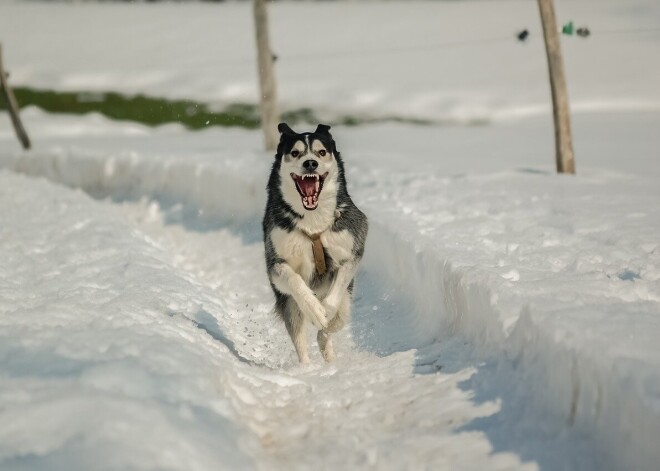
(296, 249)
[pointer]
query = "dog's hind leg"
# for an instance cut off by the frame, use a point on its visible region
(325, 345)
(295, 324)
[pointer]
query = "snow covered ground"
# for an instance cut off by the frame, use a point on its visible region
(505, 318)
(523, 332)
(98, 293)
(103, 365)
(120, 333)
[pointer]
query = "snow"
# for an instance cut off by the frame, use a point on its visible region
(120, 320)
(525, 299)
(99, 351)
(505, 317)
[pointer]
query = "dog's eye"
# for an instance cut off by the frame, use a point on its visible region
(322, 153)
(295, 153)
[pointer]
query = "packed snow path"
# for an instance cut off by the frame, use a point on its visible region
(364, 410)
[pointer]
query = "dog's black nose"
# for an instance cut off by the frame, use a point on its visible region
(310, 165)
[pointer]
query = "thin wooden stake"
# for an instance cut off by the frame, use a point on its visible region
(12, 106)
(560, 107)
(270, 116)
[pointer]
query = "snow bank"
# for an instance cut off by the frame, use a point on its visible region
(554, 280)
(445, 61)
(560, 274)
(213, 194)
(104, 365)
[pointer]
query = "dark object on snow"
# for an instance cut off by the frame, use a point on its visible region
(523, 35)
(583, 32)
(7, 93)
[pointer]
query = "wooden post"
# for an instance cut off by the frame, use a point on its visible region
(12, 107)
(269, 112)
(560, 108)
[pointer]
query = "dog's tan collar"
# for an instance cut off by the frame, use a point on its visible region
(317, 247)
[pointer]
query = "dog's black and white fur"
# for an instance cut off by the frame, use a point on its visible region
(307, 196)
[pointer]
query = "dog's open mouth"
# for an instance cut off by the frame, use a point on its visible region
(309, 185)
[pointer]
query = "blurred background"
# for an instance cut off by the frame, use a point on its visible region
(432, 64)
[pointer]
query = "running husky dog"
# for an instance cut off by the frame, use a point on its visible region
(314, 237)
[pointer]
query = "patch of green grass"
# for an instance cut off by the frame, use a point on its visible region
(156, 111)
(142, 109)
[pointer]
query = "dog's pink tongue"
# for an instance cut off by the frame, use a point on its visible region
(308, 186)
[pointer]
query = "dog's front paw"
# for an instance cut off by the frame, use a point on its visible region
(335, 324)
(330, 305)
(313, 308)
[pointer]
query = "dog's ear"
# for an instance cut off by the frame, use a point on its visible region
(285, 132)
(323, 129)
(284, 128)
